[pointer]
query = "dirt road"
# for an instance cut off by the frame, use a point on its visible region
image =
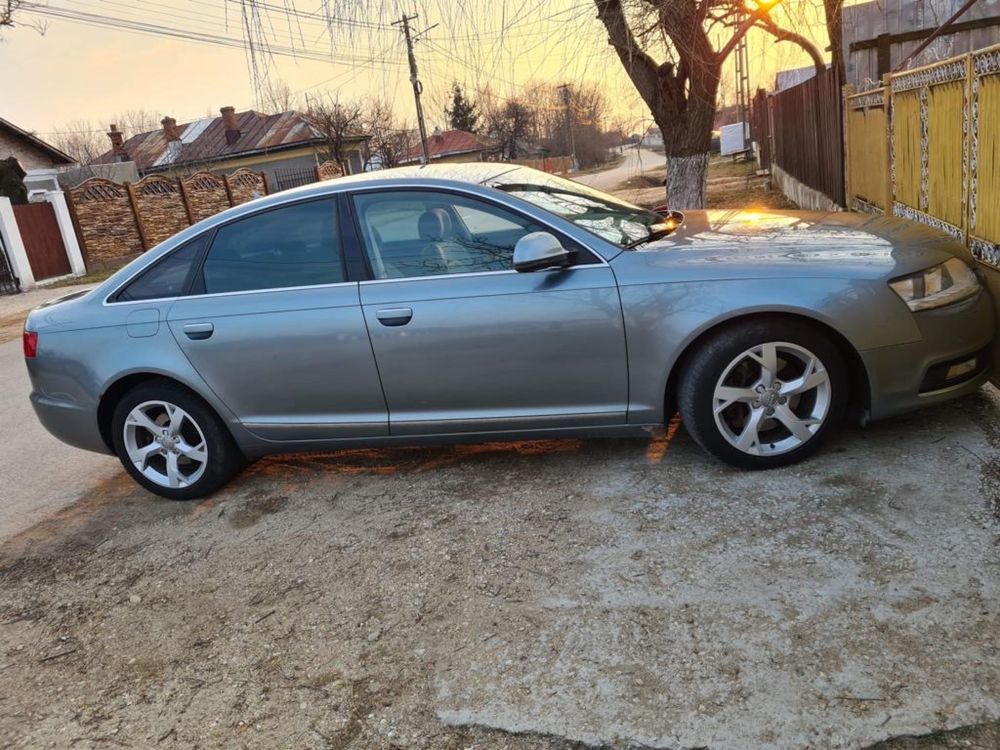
(535, 595)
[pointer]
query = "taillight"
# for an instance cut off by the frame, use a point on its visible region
(30, 344)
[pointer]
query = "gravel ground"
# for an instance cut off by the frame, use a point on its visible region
(557, 595)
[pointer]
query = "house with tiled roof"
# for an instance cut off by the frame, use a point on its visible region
(452, 146)
(286, 147)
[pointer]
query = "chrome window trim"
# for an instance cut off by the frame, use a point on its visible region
(105, 302)
(213, 230)
(349, 192)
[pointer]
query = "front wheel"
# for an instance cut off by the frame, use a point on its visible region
(172, 442)
(763, 394)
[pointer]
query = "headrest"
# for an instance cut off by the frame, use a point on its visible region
(434, 225)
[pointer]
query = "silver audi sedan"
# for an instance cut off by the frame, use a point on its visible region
(488, 302)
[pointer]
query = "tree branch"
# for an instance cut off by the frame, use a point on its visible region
(784, 35)
(641, 68)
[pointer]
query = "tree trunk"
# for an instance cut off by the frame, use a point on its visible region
(687, 181)
(687, 137)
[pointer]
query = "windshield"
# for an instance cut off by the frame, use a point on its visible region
(608, 217)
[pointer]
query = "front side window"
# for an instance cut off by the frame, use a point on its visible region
(291, 246)
(615, 220)
(427, 233)
(167, 277)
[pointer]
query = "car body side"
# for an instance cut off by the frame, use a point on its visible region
(672, 293)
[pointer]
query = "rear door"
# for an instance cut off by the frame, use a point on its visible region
(466, 344)
(275, 328)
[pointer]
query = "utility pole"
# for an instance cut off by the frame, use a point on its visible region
(569, 122)
(417, 87)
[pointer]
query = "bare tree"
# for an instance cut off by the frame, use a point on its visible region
(681, 91)
(8, 9)
(667, 48)
(509, 123)
(832, 10)
(277, 96)
(337, 122)
(81, 140)
(135, 121)
(388, 139)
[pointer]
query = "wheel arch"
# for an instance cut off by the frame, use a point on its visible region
(116, 389)
(858, 387)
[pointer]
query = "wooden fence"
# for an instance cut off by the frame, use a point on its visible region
(115, 222)
(551, 164)
(800, 135)
(926, 146)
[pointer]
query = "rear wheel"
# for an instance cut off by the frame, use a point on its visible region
(763, 394)
(172, 442)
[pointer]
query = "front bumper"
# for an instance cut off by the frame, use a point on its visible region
(70, 422)
(898, 375)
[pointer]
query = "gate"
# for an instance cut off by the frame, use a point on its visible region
(42, 240)
(8, 282)
(926, 146)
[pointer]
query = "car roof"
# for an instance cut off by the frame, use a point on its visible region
(477, 173)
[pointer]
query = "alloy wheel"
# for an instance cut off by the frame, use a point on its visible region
(165, 444)
(772, 398)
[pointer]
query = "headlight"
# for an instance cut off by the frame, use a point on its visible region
(942, 285)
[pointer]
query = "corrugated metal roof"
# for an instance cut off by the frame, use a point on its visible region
(448, 143)
(204, 140)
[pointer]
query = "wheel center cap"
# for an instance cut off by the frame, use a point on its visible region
(769, 399)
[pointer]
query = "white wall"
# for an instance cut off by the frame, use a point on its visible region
(16, 255)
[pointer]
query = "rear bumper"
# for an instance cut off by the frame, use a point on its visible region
(898, 375)
(70, 422)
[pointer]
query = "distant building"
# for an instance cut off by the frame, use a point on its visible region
(452, 146)
(286, 147)
(652, 138)
(30, 151)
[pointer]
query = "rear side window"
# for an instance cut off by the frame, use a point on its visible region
(167, 278)
(288, 247)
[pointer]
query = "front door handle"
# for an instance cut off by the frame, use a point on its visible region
(198, 331)
(394, 316)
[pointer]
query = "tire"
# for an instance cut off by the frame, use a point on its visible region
(184, 449)
(760, 421)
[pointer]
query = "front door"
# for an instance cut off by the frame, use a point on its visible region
(463, 342)
(276, 330)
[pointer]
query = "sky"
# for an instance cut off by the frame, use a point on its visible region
(74, 71)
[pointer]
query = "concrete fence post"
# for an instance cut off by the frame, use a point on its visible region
(16, 254)
(58, 200)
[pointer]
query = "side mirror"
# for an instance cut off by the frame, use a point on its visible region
(539, 250)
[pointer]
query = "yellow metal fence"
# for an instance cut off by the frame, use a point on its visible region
(926, 146)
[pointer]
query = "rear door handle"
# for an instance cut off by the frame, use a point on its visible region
(394, 316)
(198, 331)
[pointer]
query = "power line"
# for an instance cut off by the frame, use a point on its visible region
(190, 35)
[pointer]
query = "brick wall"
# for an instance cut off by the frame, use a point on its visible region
(159, 205)
(115, 222)
(102, 212)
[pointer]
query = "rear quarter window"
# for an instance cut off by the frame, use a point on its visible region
(166, 278)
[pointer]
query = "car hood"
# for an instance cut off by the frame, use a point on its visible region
(797, 244)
